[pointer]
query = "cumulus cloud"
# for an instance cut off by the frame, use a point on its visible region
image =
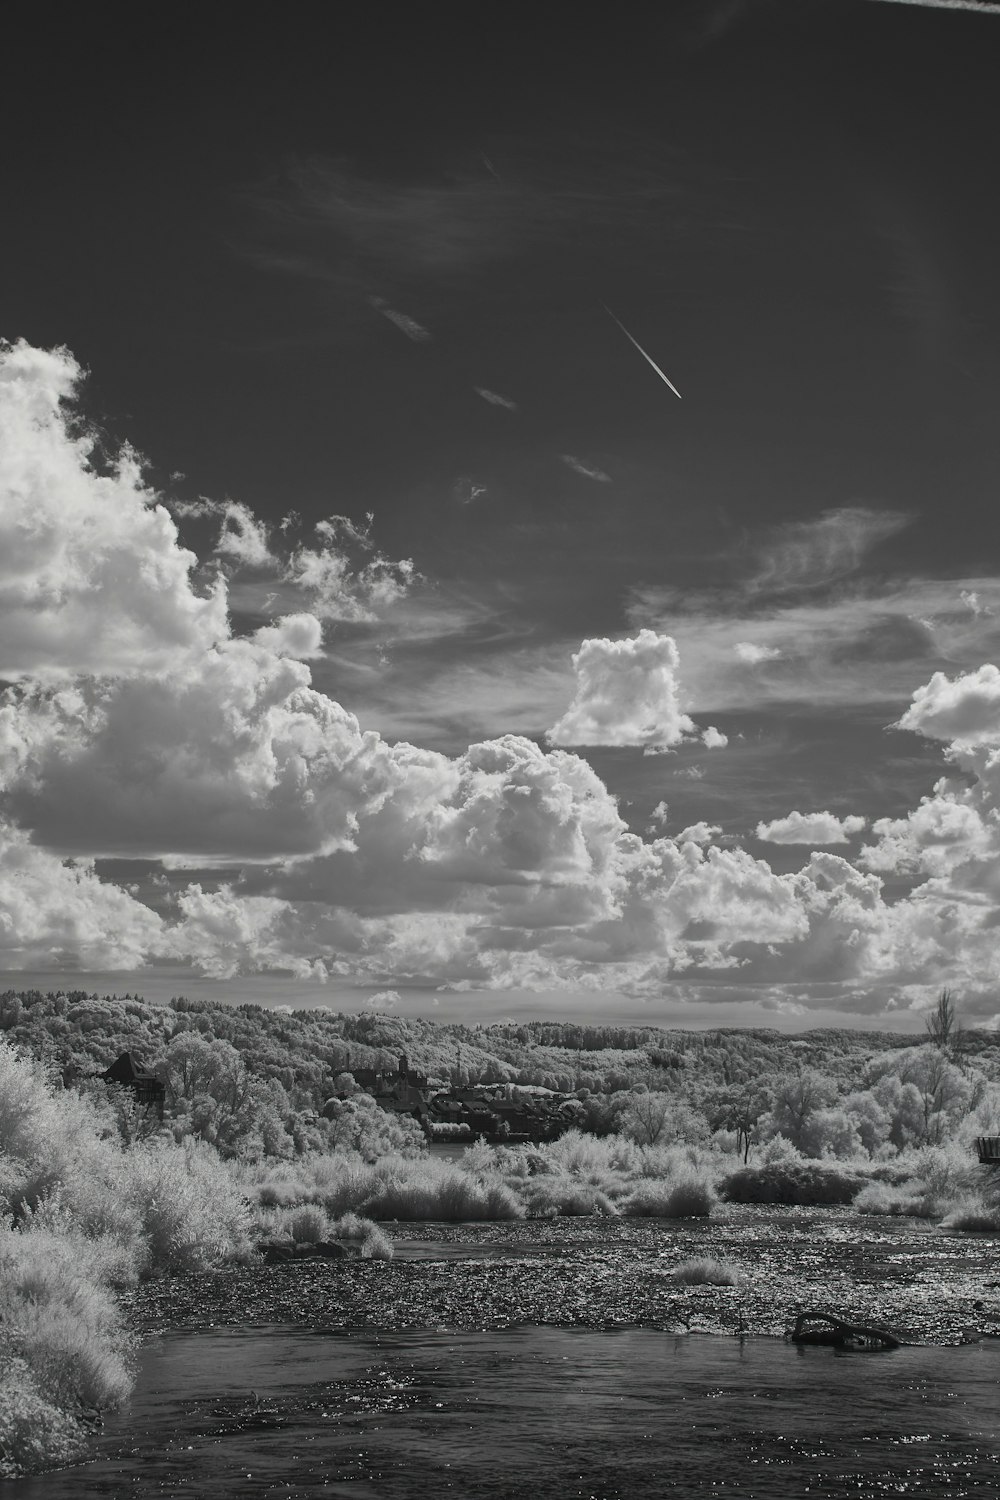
(233, 757)
(753, 654)
(970, 598)
(810, 828)
(699, 833)
(626, 694)
(966, 709)
(658, 817)
(57, 912)
(242, 538)
(300, 636)
(714, 739)
(383, 1000)
(140, 727)
(92, 576)
(343, 574)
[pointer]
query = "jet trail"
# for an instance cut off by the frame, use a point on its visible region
(642, 351)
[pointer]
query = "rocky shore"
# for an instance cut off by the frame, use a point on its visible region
(928, 1286)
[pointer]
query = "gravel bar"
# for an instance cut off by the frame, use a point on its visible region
(927, 1286)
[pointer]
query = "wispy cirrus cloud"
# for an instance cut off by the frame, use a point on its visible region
(336, 222)
(813, 554)
(494, 398)
(585, 470)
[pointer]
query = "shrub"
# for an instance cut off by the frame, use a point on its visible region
(34, 1434)
(551, 1194)
(883, 1198)
(927, 1183)
(686, 1197)
(192, 1212)
(308, 1224)
(973, 1217)
(795, 1182)
(436, 1192)
(375, 1243)
(706, 1272)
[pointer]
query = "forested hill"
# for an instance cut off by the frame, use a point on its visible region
(303, 1050)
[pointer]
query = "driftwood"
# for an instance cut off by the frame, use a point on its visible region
(827, 1328)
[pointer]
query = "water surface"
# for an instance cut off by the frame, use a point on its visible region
(552, 1413)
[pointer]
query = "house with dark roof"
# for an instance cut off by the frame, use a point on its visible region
(149, 1090)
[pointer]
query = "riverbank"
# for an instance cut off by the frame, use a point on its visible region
(599, 1273)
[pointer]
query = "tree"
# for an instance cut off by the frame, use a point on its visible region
(944, 1030)
(738, 1108)
(798, 1097)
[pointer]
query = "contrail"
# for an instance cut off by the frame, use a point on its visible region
(642, 351)
(985, 7)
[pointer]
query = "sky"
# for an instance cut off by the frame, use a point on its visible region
(497, 518)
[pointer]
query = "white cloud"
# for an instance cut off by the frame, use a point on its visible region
(812, 554)
(92, 577)
(810, 828)
(300, 636)
(383, 1000)
(403, 321)
(140, 727)
(626, 694)
(232, 756)
(494, 398)
(714, 739)
(56, 912)
(752, 653)
(966, 709)
(972, 601)
(242, 536)
(699, 833)
(341, 580)
(585, 470)
(658, 817)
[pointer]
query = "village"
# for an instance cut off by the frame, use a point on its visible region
(493, 1112)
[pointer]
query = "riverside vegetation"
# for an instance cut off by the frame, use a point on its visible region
(255, 1147)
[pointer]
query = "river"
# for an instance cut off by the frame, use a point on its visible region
(550, 1413)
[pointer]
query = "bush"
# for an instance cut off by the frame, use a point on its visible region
(805, 1183)
(61, 1346)
(308, 1225)
(436, 1192)
(687, 1197)
(552, 1194)
(34, 1434)
(375, 1243)
(883, 1198)
(927, 1183)
(973, 1217)
(706, 1272)
(192, 1212)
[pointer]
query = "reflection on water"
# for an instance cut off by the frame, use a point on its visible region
(557, 1414)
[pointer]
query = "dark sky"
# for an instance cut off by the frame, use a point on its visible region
(351, 260)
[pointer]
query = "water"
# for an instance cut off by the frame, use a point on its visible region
(554, 1414)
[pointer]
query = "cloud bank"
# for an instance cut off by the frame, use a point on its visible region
(139, 724)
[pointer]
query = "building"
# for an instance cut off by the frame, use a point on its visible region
(149, 1091)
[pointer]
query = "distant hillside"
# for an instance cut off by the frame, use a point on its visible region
(80, 1033)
